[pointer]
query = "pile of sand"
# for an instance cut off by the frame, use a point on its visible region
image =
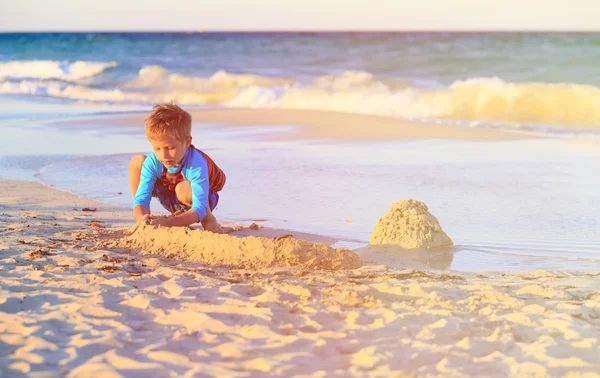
(248, 252)
(410, 225)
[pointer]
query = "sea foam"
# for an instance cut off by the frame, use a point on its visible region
(50, 69)
(476, 101)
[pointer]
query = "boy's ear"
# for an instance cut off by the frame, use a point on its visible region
(188, 140)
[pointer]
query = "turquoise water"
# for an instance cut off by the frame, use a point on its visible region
(421, 58)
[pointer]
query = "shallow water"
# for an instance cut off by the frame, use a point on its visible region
(517, 205)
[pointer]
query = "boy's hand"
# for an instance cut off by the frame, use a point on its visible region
(181, 220)
(143, 219)
(146, 219)
(162, 221)
(141, 214)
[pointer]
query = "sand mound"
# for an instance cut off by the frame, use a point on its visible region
(248, 252)
(409, 224)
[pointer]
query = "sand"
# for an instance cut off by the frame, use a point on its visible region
(251, 252)
(69, 308)
(315, 124)
(409, 224)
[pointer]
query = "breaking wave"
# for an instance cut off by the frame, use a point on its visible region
(50, 69)
(475, 101)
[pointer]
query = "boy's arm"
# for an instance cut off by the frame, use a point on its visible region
(197, 175)
(148, 177)
(184, 219)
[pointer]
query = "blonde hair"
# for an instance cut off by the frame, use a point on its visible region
(168, 119)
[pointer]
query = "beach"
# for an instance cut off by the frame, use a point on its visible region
(71, 309)
(476, 154)
(80, 297)
(79, 300)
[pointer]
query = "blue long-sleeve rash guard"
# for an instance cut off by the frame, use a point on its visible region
(193, 168)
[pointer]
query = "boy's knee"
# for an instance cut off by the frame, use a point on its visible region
(183, 191)
(136, 162)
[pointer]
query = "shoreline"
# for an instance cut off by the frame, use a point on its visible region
(37, 194)
(68, 306)
(121, 217)
(315, 131)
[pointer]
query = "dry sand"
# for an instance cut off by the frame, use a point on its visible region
(315, 124)
(70, 309)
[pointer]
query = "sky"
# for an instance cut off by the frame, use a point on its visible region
(249, 15)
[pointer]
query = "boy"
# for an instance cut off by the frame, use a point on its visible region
(184, 179)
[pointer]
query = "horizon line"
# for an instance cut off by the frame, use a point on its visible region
(333, 31)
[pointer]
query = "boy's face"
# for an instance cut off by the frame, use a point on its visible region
(170, 150)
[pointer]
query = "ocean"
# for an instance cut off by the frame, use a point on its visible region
(514, 205)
